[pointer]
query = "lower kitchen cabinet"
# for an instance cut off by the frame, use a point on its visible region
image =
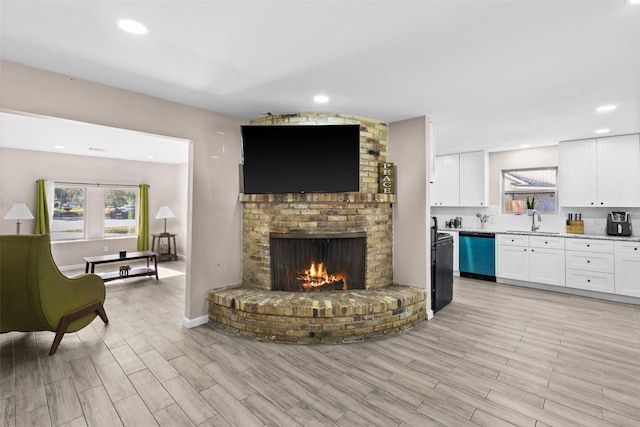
(627, 268)
(598, 265)
(512, 262)
(589, 280)
(547, 266)
(536, 259)
(590, 265)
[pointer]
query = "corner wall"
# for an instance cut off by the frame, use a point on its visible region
(409, 150)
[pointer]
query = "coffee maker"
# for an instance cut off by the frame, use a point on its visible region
(619, 224)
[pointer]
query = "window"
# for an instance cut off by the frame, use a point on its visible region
(93, 212)
(68, 213)
(537, 184)
(120, 212)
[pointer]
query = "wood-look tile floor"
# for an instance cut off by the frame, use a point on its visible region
(497, 356)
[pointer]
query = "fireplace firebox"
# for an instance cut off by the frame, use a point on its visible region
(316, 263)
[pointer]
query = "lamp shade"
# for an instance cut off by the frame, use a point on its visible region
(165, 212)
(19, 211)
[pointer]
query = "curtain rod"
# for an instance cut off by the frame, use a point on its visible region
(97, 184)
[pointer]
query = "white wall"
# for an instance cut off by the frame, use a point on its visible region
(409, 150)
(213, 240)
(517, 159)
(20, 168)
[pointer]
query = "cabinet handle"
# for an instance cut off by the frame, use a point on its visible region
(591, 203)
(546, 243)
(588, 246)
(601, 203)
(588, 261)
(531, 250)
(588, 280)
(635, 249)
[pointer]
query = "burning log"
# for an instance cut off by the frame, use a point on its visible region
(317, 279)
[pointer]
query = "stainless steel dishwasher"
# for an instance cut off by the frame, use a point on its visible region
(477, 255)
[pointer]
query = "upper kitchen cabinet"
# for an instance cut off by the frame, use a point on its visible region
(474, 178)
(446, 188)
(461, 180)
(600, 172)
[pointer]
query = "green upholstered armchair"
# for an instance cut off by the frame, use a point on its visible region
(35, 296)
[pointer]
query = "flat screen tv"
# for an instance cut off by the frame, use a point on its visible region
(301, 159)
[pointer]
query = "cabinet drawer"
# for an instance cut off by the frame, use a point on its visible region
(589, 245)
(627, 248)
(546, 242)
(599, 282)
(513, 239)
(590, 261)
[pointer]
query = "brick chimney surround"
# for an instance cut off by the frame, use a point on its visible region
(252, 308)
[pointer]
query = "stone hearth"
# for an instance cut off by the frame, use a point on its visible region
(333, 316)
(340, 316)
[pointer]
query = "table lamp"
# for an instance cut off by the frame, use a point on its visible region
(165, 213)
(18, 211)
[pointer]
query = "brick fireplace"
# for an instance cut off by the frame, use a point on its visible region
(379, 308)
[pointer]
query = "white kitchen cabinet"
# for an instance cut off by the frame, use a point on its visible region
(590, 264)
(577, 173)
(600, 172)
(460, 180)
(599, 282)
(589, 245)
(445, 191)
(474, 182)
(547, 260)
(512, 262)
(531, 259)
(627, 268)
(618, 171)
(590, 261)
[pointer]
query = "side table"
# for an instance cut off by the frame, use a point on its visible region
(167, 253)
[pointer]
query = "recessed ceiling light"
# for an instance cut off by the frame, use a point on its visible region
(634, 1)
(151, 156)
(321, 99)
(132, 27)
(606, 108)
(603, 130)
(525, 146)
(59, 147)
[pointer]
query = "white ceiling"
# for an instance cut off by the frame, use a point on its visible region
(491, 74)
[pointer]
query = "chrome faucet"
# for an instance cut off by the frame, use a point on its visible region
(533, 220)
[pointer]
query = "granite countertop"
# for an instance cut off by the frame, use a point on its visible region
(547, 234)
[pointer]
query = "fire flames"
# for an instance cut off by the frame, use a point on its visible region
(316, 278)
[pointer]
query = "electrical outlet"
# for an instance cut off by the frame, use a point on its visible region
(106, 248)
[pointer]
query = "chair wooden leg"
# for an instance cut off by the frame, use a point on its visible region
(66, 320)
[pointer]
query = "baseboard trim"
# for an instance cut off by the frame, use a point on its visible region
(429, 314)
(572, 291)
(192, 323)
(71, 267)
